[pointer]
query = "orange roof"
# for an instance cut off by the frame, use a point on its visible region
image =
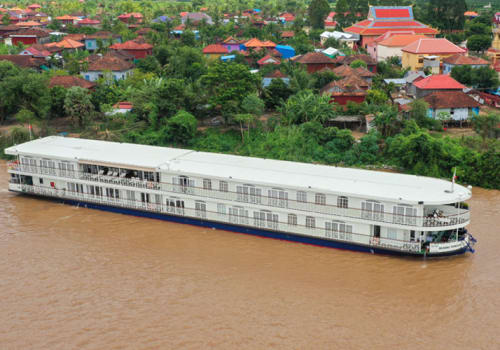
(131, 45)
(268, 59)
(67, 18)
(401, 40)
(433, 46)
(459, 59)
(471, 14)
(69, 44)
(439, 81)
(257, 43)
(28, 24)
(215, 49)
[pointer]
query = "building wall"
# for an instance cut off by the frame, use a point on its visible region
(232, 47)
(25, 41)
(384, 52)
(342, 100)
(455, 113)
(311, 68)
(416, 61)
(94, 76)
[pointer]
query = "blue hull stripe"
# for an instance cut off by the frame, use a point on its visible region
(243, 229)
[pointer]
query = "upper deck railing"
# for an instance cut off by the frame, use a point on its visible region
(449, 218)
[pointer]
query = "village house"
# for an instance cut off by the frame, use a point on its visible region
(28, 24)
(277, 74)
(433, 83)
(382, 19)
(390, 45)
(346, 71)
(95, 41)
(35, 7)
(87, 22)
(24, 61)
(347, 38)
(37, 51)
(461, 60)
(67, 44)
(315, 61)
(458, 105)
(371, 64)
(100, 65)
(29, 36)
(67, 19)
(131, 18)
(69, 81)
(138, 47)
(268, 59)
(436, 49)
(215, 51)
(195, 18)
(351, 88)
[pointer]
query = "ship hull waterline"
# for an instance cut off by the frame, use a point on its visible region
(244, 229)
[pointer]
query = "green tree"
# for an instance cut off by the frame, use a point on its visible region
(342, 9)
(244, 119)
(485, 125)
(252, 104)
(317, 12)
(276, 93)
(181, 128)
(481, 78)
(358, 63)
(306, 106)
(78, 106)
(479, 42)
(376, 97)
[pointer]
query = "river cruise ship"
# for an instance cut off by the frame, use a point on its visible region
(345, 208)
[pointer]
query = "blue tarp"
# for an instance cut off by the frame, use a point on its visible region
(286, 51)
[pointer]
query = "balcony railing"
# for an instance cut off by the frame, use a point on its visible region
(448, 219)
(317, 232)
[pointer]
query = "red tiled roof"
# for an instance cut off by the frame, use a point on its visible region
(471, 14)
(132, 14)
(353, 85)
(31, 32)
(396, 24)
(38, 52)
(365, 58)
(450, 99)
(287, 34)
(76, 37)
(23, 61)
(131, 45)
(123, 105)
(109, 62)
(35, 6)
(315, 58)
(215, 49)
(69, 44)
(439, 81)
(89, 21)
(268, 59)
(66, 18)
(392, 13)
(400, 40)
(459, 59)
(28, 24)
(432, 46)
(68, 81)
(252, 43)
(231, 40)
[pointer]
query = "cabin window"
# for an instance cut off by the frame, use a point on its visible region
(310, 222)
(200, 209)
(238, 215)
(158, 199)
(221, 209)
(342, 202)
(248, 193)
(278, 198)
(272, 221)
(372, 210)
(41, 181)
(171, 205)
(145, 197)
(207, 184)
(392, 233)
(403, 214)
(255, 195)
(338, 230)
(223, 186)
(183, 184)
(320, 198)
(292, 219)
(302, 196)
(259, 218)
(131, 196)
(179, 204)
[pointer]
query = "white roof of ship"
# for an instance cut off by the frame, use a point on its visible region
(275, 173)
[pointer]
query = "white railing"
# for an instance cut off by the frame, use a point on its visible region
(448, 219)
(316, 232)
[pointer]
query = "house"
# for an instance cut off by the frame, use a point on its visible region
(470, 14)
(461, 60)
(66, 19)
(138, 47)
(390, 45)
(231, 44)
(34, 7)
(68, 81)
(382, 19)
(315, 61)
(415, 53)
(411, 77)
(24, 61)
(131, 18)
(331, 52)
(37, 51)
(121, 108)
(268, 59)
(28, 24)
(214, 51)
(457, 104)
(30, 36)
(439, 82)
(99, 65)
(95, 41)
(346, 71)
(267, 80)
(285, 51)
(350, 88)
(287, 17)
(41, 17)
(348, 38)
(287, 34)
(258, 44)
(371, 64)
(196, 18)
(87, 22)
(68, 44)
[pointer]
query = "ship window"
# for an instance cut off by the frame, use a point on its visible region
(200, 209)
(292, 219)
(259, 218)
(342, 202)
(310, 222)
(404, 214)
(130, 195)
(278, 198)
(372, 210)
(302, 196)
(272, 220)
(41, 181)
(392, 233)
(207, 184)
(221, 209)
(238, 215)
(320, 199)
(223, 186)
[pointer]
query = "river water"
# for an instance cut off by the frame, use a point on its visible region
(76, 278)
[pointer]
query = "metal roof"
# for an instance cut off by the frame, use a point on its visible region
(274, 173)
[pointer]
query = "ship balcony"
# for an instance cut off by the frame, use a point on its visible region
(445, 215)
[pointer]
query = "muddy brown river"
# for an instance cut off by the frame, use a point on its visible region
(76, 278)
